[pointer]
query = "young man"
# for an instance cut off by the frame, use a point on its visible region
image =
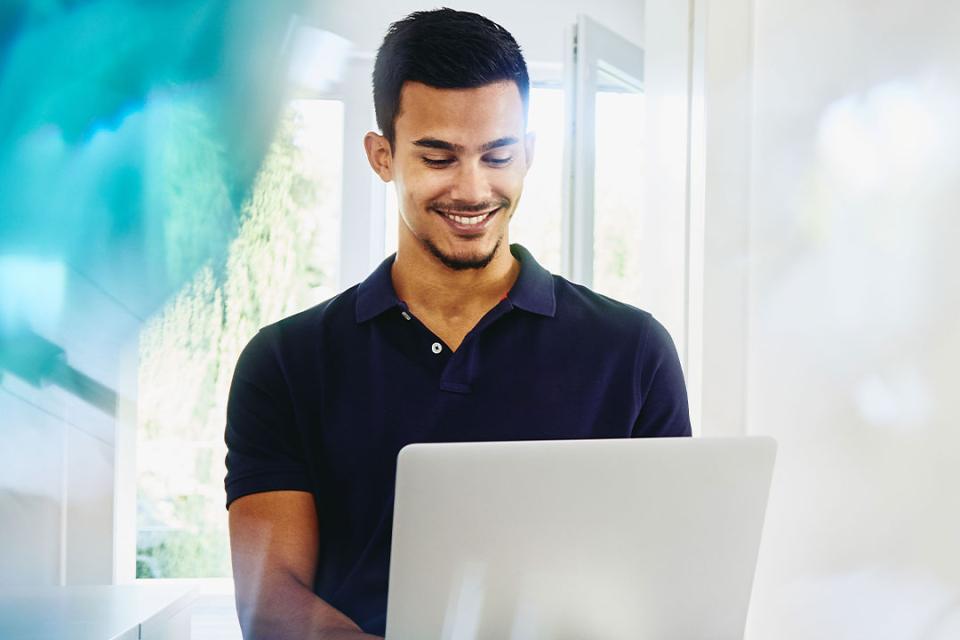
(458, 337)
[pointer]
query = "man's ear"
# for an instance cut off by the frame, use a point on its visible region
(379, 155)
(529, 145)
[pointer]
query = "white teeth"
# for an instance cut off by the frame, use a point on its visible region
(473, 220)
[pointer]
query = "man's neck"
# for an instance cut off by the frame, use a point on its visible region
(431, 289)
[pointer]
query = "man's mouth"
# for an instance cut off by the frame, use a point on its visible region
(468, 220)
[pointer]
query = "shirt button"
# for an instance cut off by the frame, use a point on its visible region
(436, 347)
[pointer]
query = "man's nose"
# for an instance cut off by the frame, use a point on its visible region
(470, 184)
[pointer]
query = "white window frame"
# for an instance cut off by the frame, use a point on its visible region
(590, 49)
(363, 196)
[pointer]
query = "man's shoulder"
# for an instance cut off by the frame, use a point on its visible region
(308, 327)
(609, 322)
(580, 304)
(335, 310)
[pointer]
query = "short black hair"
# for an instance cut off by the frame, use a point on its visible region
(445, 49)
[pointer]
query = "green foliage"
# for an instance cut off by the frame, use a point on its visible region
(198, 214)
(185, 554)
(275, 266)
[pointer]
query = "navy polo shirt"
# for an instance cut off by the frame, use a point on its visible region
(324, 400)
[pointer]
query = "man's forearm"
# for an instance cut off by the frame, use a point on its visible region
(287, 610)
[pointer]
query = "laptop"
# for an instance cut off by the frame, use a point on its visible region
(609, 539)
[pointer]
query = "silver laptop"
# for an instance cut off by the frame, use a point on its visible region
(577, 539)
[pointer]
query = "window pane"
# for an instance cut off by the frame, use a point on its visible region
(282, 260)
(618, 212)
(536, 223)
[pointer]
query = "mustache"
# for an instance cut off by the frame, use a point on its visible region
(456, 206)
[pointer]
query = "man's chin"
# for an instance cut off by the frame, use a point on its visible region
(462, 262)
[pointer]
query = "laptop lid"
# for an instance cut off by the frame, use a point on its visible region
(577, 539)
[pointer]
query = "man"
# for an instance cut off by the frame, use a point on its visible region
(458, 337)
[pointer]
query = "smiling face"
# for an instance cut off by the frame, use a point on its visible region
(458, 163)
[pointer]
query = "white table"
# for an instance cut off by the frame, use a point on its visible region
(109, 612)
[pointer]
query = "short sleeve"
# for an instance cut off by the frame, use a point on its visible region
(264, 452)
(662, 392)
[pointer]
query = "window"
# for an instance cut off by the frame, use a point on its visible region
(537, 222)
(282, 259)
(619, 197)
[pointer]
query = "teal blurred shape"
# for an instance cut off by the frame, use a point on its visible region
(87, 65)
(40, 362)
(130, 132)
(30, 357)
(32, 293)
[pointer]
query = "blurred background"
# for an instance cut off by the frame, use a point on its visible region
(776, 180)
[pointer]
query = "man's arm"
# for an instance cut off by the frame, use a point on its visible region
(273, 543)
(661, 389)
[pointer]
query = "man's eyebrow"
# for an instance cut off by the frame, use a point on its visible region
(499, 142)
(435, 143)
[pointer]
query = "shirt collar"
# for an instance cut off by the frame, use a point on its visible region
(375, 294)
(533, 291)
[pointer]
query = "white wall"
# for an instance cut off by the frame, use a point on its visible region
(56, 489)
(854, 339)
(57, 453)
(721, 77)
(538, 27)
(30, 491)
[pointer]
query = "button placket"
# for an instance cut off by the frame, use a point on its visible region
(436, 347)
(461, 368)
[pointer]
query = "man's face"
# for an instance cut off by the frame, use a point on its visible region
(459, 160)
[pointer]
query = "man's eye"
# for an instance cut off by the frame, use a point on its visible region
(499, 162)
(437, 162)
